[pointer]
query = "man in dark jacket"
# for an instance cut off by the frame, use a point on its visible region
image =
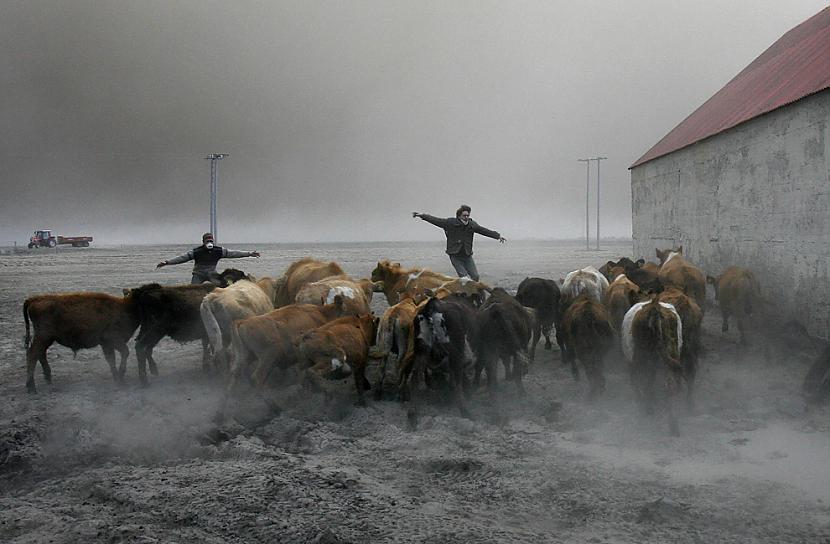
(460, 230)
(205, 258)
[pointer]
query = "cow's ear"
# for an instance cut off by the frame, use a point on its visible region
(634, 297)
(125, 291)
(397, 265)
(429, 292)
(640, 262)
(680, 250)
(710, 279)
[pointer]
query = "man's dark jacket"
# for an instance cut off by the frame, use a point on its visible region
(459, 235)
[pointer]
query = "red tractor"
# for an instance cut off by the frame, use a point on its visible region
(44, 238)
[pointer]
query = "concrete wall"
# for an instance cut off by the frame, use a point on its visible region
(758, 196)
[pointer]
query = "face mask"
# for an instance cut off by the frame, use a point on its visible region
(209, 245)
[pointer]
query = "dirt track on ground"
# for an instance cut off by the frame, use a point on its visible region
(87, 461)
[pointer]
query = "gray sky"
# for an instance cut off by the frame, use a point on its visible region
(343, 117)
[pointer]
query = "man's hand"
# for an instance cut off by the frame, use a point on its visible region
(255, 254)
(162, 263)
(416, 214)
(502, 239)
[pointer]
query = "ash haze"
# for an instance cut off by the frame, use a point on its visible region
(343, 117)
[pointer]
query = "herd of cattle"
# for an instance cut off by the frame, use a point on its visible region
(438, 330)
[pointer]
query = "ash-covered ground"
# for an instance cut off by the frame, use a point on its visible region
(87, 461)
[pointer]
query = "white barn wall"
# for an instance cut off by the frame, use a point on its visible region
(758, 196)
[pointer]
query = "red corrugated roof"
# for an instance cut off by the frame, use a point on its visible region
(795, 66)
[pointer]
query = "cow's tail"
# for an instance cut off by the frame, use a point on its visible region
(384, 339)
(214, 332)
(237, 353)
(27, 339)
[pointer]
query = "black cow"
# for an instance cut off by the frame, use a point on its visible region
(168, 311)
(445, 332)
(505, 329)
(543, 296)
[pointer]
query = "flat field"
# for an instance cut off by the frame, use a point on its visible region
(87, 461)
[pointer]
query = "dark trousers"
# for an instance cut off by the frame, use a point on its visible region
(201, 277)
(464, 265)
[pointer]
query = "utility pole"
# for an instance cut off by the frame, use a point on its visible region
(214, 180)
(587, 186)
(598, 159)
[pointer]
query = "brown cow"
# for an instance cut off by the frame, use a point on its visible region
(587, 333)
(475, 290)
(78, 321)
(393, 340)
(738, 294)
(621, 294)
(304, 271)
(675, 271)
(337, 349)
(692, 318)
(268, 338)
(357, 295)
(398, 282)
(652, 338)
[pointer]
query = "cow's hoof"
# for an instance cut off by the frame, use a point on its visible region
(360, 403)
(145, 383)
(378, 393)
(153, 370)
(31, 389)
(548, 347)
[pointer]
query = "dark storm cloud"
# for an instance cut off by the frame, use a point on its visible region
(343, 117)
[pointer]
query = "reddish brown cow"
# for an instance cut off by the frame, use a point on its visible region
(621, 294)
(691, 317)
(398, 282)
(269, 338)
(304, 271)
(78, 321)
(587, 333)
(337, 349)
(675, 271)
(738, 294)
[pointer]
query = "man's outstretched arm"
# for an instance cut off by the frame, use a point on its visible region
(177, 260)
(231, 254)
(478, 229)
(437, 221)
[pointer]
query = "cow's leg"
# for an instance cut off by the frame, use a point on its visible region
(563, 345)
(109, 355)
(360, 383)
(124, 351)
(457, 380)
(596, 377)
(519, 370)
(743, 329)
(34, 353)
(144, 345)
(382, 374)
(725, 324)
(416, 374)
(545, 329)
(572, 356)
(44, 366)
(534, 339)
(205, 355)
(689, 373)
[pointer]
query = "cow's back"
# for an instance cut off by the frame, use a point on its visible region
(323, 292)
(304, 271)
(678, 272)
